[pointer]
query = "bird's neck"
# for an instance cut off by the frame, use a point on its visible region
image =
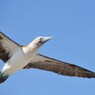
(30, 48)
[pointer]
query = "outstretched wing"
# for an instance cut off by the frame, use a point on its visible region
(7, 47)
(50, 64)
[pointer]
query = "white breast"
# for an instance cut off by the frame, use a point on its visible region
(17, 62)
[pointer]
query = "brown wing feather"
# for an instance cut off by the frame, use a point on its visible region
(49, 64)
(7, 47)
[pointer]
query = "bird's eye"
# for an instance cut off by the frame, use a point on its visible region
(40, 41)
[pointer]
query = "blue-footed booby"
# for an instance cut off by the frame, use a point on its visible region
(17, 57)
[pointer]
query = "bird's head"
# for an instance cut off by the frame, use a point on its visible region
(38, 42)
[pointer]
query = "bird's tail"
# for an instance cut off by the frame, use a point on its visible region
(3, 77)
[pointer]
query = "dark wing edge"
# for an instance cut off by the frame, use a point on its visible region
(5, 54)
(63, 68)
(8, 38)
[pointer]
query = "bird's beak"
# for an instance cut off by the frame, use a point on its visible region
(47, 39)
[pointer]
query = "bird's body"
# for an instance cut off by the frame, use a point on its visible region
(19, 60)
(17, 57)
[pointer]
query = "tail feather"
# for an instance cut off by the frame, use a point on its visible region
(3, 77)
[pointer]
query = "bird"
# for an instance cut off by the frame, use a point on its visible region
(17, 57)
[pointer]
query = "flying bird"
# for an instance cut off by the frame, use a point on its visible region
(17, 57)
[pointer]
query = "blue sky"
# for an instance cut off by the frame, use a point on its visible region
(71, 23)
